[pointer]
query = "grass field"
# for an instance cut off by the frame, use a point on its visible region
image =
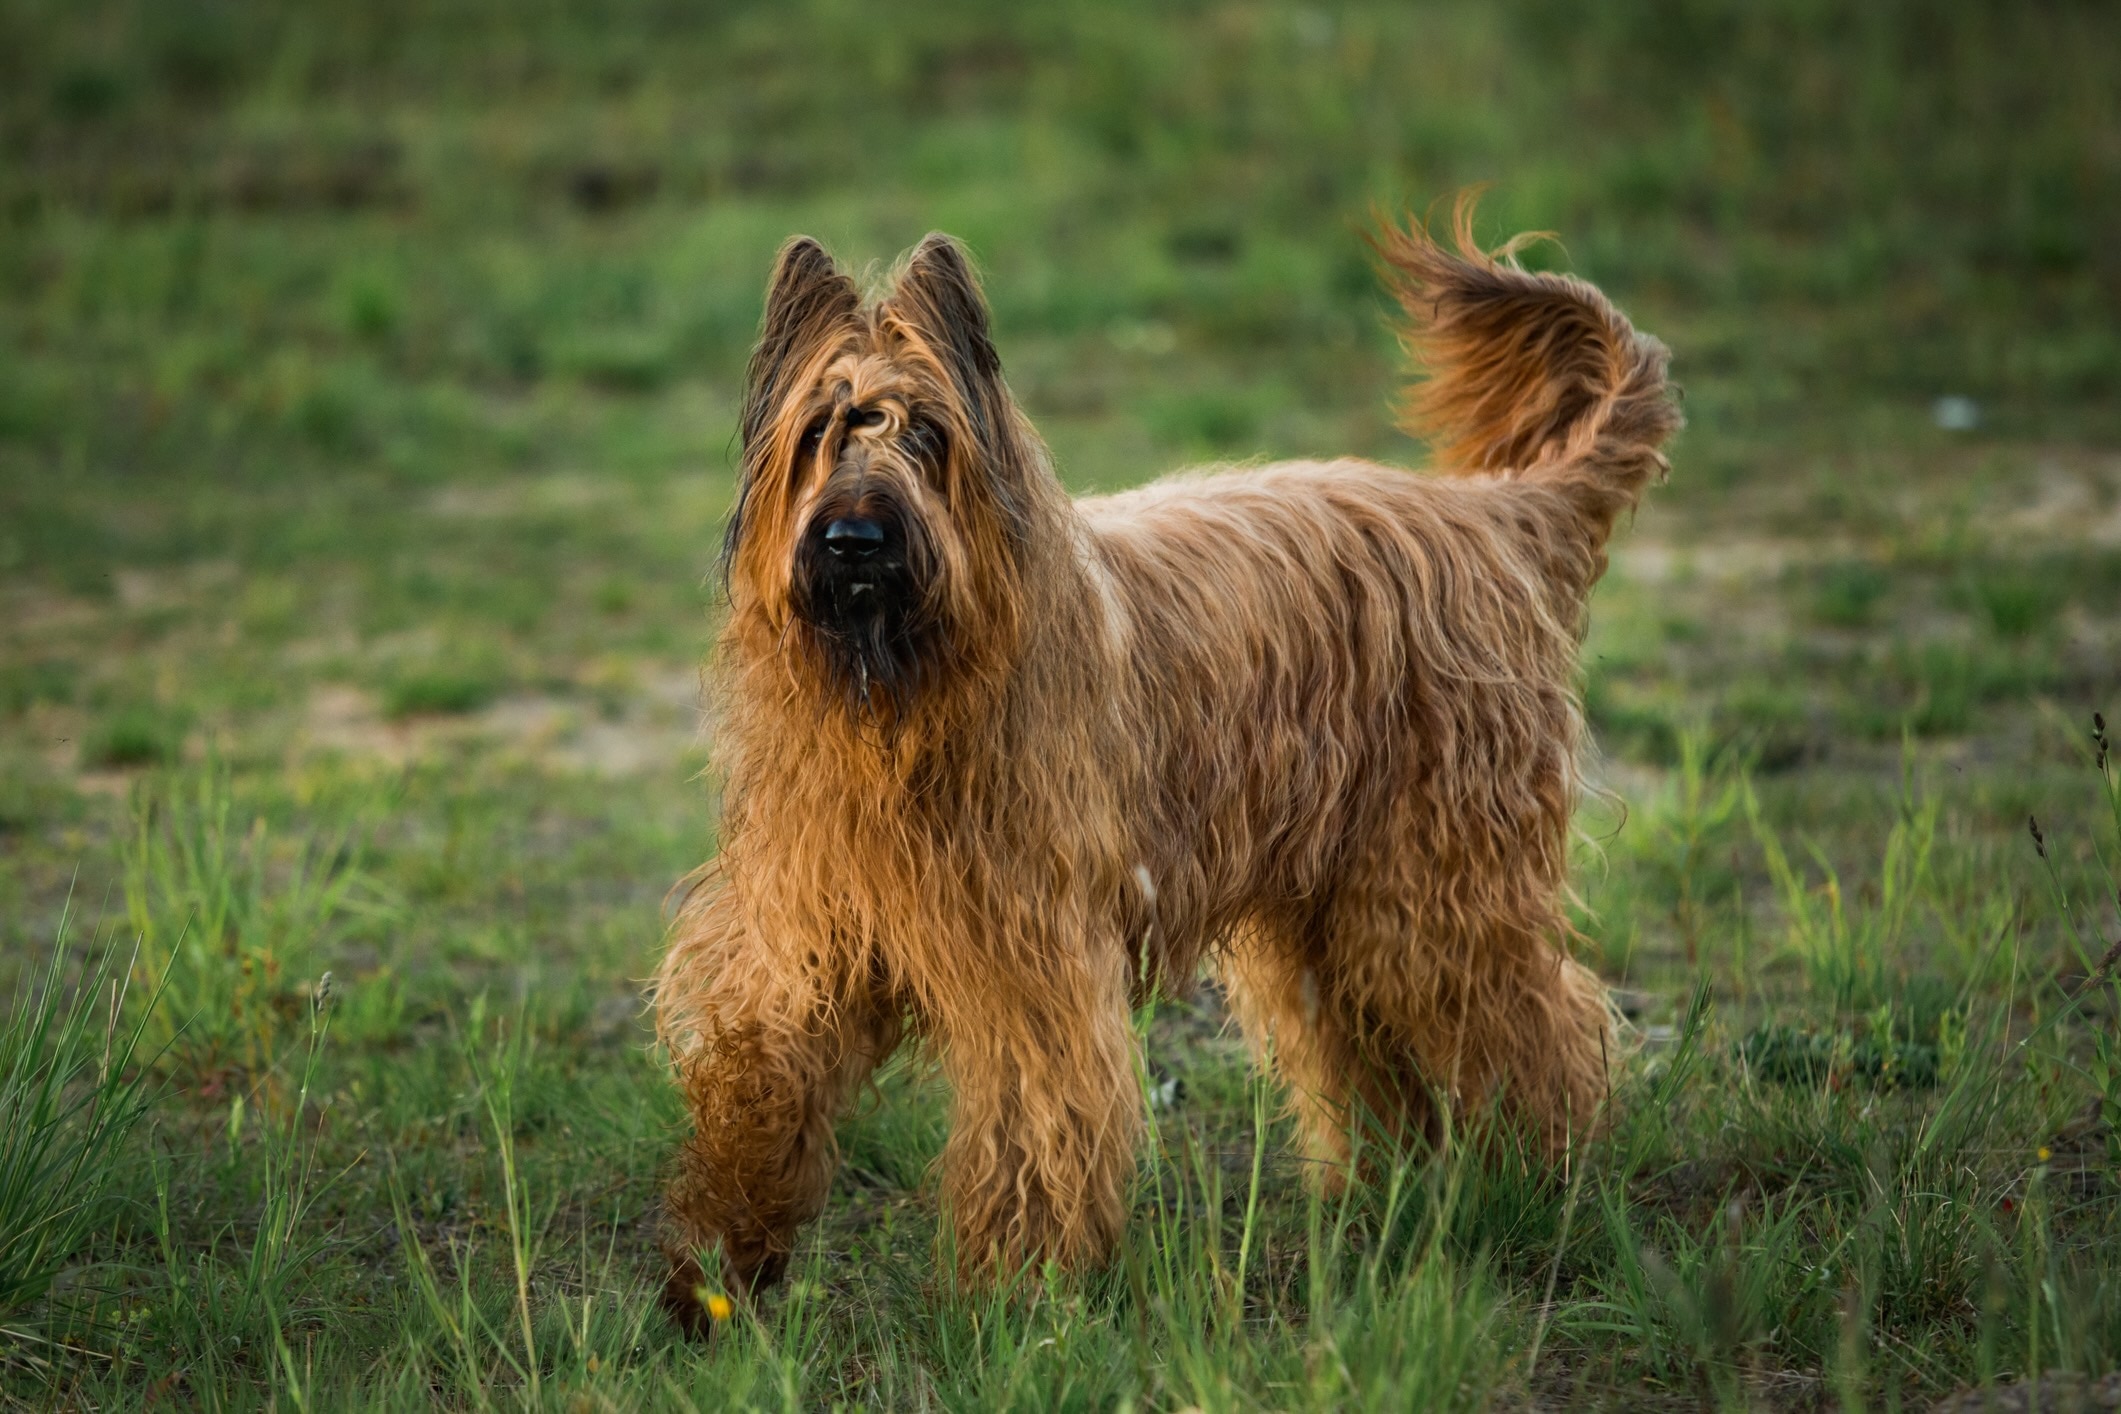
(367, 380)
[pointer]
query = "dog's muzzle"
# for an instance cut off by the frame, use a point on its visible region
(856, 573)
(864, 573)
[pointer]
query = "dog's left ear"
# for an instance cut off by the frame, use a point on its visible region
(941, 296)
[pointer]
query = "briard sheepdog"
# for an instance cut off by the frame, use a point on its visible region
(1000, 764)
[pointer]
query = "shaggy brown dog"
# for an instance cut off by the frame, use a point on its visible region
(1000, 763)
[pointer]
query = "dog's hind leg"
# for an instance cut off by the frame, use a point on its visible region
(1462, 970)
(1046, 1114)
(1517, 1035)
(769, 1043)
(1346, 1090)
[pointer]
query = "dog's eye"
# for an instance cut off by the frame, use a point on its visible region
(812, 436)
(925, 439)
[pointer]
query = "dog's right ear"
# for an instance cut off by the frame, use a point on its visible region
(807, 299)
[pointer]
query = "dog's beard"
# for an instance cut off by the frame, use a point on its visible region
(878, 640)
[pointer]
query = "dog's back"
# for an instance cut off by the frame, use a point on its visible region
(1379, 635)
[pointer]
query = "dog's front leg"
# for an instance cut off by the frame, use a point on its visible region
(1046, 1116)
(769, 1042)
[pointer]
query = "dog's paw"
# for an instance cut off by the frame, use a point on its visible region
(699, 1304)
(694, 1306)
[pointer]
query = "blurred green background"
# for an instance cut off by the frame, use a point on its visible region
(367, 387)
(409, 333)
(363, 364)
(251, 248)
(367, 372)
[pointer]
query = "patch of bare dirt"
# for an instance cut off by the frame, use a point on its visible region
(2056, 1392)
(654, 727)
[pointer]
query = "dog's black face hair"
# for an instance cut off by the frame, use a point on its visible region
(865, 581)
(884, 459)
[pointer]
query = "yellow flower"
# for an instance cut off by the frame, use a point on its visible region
(717, 1304)
(2045, 1154)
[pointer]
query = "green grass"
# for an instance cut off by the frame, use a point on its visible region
(440, 689)
(367, 396)
(134, 736)
(71, 1095)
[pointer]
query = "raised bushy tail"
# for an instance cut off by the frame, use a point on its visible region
(1528, 374)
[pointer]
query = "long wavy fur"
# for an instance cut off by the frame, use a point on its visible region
(1314, 724)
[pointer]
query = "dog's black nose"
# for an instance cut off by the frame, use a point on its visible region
(854, 539)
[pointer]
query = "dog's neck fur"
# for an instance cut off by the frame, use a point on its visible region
(932, 797)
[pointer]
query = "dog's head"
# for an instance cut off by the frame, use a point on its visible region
(887, 479)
